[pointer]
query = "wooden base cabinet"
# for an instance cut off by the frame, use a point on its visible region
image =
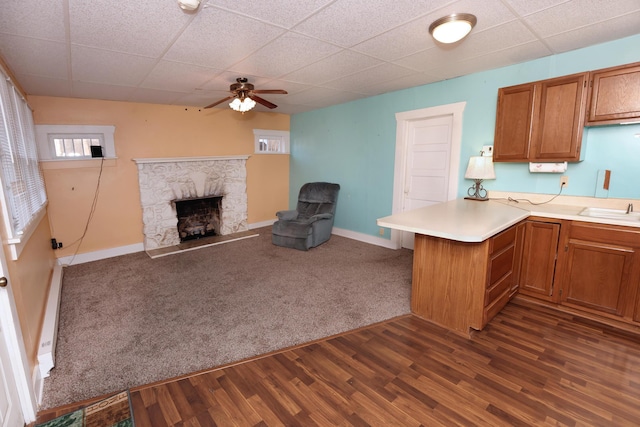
(539, 255)
(585, 267)
(602, 272)
(461, 286)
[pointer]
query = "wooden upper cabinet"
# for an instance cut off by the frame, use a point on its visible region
(513, 122)
(541, 121)
(614, 95)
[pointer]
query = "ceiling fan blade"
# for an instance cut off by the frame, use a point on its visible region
(220, 102)
(275, 91)
(262, 101)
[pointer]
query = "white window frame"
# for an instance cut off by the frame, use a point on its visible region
(46, 133)
(281, 135)
(23, 194)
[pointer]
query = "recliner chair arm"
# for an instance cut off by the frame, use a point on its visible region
(287, 215)
(320, 216)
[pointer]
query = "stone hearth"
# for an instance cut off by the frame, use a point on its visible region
(164, 181)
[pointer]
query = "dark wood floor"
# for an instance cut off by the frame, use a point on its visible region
(530, 366)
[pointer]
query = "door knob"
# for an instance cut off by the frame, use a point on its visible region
(3, 282)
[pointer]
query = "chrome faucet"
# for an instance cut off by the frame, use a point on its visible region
(630, 208)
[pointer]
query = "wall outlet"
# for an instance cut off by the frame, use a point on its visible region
(487, 150)
(564, 181)
(381, 231)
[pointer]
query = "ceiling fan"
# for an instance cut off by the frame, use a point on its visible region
(244, 96)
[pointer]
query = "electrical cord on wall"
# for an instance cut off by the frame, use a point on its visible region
(510, 199)
(91, 212)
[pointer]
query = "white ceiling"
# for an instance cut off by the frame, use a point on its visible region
(323, 52)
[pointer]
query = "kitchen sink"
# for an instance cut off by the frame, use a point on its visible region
(619, 214)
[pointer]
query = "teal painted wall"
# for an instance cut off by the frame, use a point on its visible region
(353, 144)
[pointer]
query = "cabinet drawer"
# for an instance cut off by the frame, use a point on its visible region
(502, 285)
(502, 240)
(500, 264)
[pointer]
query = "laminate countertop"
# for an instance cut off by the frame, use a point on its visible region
(475, 221)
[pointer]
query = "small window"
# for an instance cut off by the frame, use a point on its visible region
(75, 142)
(271, 141)
(75, 146)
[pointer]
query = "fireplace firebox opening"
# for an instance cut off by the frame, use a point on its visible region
(198, 217)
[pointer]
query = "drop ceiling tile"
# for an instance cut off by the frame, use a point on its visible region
(178, 77)
(143, 27)
(100, 66)
(601, 32)
(154, 96)
(359, 81)
(340, 64)
(284, 13)
(218, 39)
(45, 86)
(319, 96)
(34, 18)
(101, 91)
(287, 53)
(412, 80)
(46, 58)
(577, 13)
(526, 7)
(349, 22)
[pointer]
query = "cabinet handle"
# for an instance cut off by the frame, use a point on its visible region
(3, 282)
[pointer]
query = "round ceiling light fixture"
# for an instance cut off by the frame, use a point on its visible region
(452, 28)
(189, 5)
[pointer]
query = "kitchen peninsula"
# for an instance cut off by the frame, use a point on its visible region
(468, 257)
(464, 260)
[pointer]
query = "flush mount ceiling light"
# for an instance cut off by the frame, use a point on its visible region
(451, 28)
(189, 5)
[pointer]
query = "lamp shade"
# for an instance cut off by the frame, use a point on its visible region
(451, 28)
(480, 167)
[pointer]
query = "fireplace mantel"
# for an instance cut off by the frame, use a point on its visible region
(188, 159)
(163, 181)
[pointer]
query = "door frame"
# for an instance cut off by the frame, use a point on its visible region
(403, 120)
(15, 346)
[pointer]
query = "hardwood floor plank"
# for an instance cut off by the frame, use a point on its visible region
(530, 366)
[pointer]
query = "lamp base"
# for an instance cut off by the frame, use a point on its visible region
(477, 192)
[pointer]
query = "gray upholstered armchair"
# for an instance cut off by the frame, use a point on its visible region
(311, 223)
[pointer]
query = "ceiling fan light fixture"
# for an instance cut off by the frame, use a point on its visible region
(452, 28)
(243, 105)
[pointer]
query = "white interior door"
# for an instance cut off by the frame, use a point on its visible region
(10, 407)
(428, 163)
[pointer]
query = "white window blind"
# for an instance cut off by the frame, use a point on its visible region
(22, 183)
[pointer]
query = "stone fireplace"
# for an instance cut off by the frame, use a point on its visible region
(166, 182)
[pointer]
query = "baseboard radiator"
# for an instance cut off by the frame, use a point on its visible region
(46, 350)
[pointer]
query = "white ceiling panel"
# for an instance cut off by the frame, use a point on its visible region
(285, 13)
(323, 52)
(289, 52)
(46, 58)
(100, 66)
(179, 77)
(34, 18)
(218, 39)
(341, 64)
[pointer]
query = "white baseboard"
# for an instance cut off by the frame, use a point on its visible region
(262, 224)
(49, 334)
(103, 254)
(366, 238)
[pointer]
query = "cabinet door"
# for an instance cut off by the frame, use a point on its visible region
(514, 119)
(517, 262)
(597, 275)
(539, 254)
(557, 132)
(615, 95)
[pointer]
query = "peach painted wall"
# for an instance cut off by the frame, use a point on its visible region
(148, 131)
(30, 277)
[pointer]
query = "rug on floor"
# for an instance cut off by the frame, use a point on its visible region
(114, 411)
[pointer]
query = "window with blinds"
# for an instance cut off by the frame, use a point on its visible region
(22, 183)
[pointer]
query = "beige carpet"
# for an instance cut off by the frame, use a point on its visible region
(132, 320)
